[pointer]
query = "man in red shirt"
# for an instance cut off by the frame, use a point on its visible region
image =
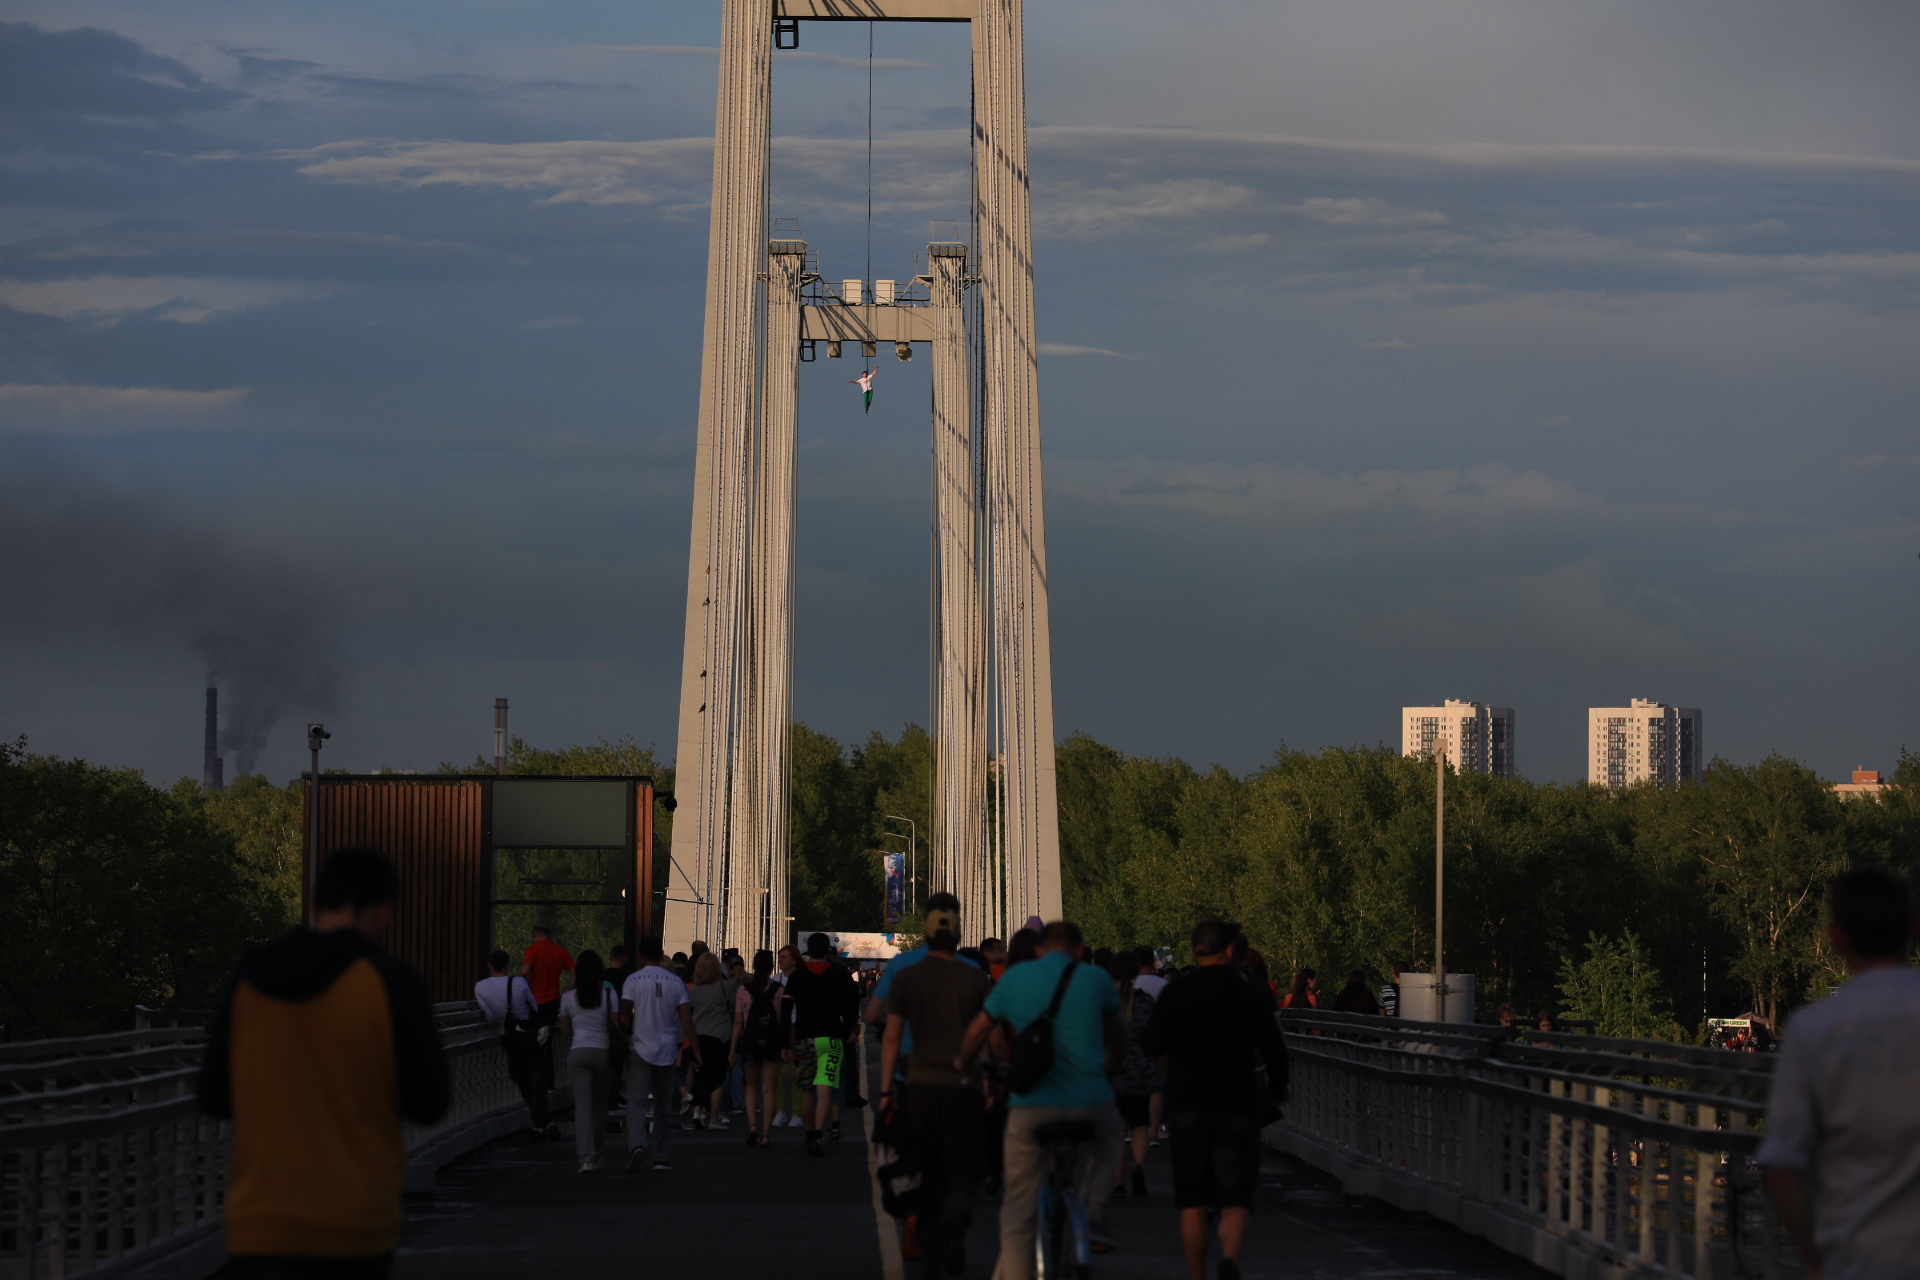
(541, 965)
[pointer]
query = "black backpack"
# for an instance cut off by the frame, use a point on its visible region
(764, 1030)
(1033, 1047)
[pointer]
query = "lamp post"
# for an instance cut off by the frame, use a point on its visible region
(1440, 879)
(316, 734)
(913, 833)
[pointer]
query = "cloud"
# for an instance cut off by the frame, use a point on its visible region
(88, 71)
(710, 51)
(1081, 209)
(1882, 460)
(1560, 420)
(1352, 211)
(76, 409)
(550, 322)
(1391, 344)
(107, 300)
(450, 86)
(114, 242)
(1062, 349)
(1299, 498)
(674, 172)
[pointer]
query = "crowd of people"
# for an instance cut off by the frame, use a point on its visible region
(322, 1044)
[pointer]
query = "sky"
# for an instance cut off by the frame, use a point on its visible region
(1541, 354)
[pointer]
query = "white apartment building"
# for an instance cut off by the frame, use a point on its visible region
(1645, 741)
(1476, 736)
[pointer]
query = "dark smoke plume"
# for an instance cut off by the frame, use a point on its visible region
(78, 558)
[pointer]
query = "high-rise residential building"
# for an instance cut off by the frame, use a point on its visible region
(1476, 736)
(1646, 741)
(1866, 782)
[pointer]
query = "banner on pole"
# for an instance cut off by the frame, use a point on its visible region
(895, 867)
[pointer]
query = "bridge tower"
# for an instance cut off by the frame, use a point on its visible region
(995, 830)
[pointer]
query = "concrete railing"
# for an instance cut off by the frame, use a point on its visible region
(1595, 1158)
(107, 1167)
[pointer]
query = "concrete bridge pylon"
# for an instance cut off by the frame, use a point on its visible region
(995, 829)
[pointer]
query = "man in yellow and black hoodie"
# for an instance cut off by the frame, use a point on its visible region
(320, 1044)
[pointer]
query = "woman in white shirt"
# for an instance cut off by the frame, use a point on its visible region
(587, 1011)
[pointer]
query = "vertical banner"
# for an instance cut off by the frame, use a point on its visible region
(894, 866)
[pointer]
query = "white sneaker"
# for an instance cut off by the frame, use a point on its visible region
(796, 1122)
(586, 1166)
(717, 1122)
(779, 1120)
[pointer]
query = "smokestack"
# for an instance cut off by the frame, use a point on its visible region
(212, 768)
(499, 735)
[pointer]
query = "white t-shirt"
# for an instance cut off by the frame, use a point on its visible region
(592, 1028)
(1845, 1112)
(656, 995)
(1151, 983)
(492, 995)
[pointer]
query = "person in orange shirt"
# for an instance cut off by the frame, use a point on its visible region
(542, 964)
(320, 1044)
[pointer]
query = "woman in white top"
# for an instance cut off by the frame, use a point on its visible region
(587, 1011)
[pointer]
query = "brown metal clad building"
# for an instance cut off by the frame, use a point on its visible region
(439, 831)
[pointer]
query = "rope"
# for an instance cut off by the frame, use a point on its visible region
(868, 288)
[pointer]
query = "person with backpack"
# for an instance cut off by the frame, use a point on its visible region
(760, 1016)
(1065, 1018)
(826, 1012)
(508, 1003)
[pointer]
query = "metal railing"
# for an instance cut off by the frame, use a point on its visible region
(107, 1165)
(1591, 1157)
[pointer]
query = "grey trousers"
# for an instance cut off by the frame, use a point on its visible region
(646, 1079)
(590, 1075)
(1026, 1170)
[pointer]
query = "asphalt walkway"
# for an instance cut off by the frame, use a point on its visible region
(517, 1209)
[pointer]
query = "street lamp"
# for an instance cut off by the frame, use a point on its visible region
(316, 734)
(1440, 880)
(913, 833)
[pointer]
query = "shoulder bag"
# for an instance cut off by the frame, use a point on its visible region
(1033, 1047)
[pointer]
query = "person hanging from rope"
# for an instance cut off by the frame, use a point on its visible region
(865, 383)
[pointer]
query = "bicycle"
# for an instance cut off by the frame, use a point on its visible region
(1062, 1237)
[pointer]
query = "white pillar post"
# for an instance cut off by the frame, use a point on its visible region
(717, 578)
(1029, 834)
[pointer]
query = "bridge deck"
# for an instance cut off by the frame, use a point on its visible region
(516, 1208)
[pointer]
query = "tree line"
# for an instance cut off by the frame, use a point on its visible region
(1646, 909)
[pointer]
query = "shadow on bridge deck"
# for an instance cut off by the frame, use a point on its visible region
(517, 1209)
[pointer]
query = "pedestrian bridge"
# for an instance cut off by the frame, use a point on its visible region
(1589, 1158)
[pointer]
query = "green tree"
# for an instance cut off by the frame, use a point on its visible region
(1619, 989)
(834, 883)
(1765, 838)
(267, 826)
(113, 893)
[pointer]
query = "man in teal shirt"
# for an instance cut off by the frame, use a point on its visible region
(1087, 1035)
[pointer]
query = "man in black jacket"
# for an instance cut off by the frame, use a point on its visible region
(826, 1010)
(1211, 1023)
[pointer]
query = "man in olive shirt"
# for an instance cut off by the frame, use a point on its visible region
(937, 1000)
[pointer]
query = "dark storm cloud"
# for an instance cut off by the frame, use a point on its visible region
(82, 557)
(94, 72)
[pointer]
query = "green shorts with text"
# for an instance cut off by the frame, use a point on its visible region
(821, 1060)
